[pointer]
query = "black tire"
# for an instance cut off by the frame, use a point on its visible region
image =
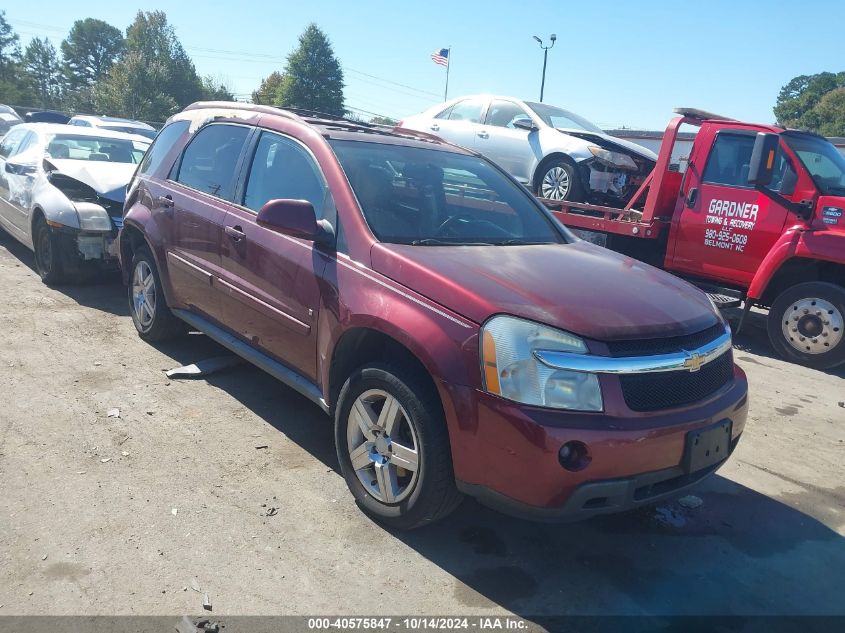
(574, 192)
(820, 327)
(49, 256)
(162, 324)
(433, 494)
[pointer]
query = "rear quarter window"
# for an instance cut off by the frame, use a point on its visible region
(161, 147)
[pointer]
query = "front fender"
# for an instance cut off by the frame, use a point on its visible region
(140, 218)
(822, 245)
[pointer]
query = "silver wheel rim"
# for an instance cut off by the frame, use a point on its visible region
(555, 184)
(812, 325)
(383, 446)
(143, 294)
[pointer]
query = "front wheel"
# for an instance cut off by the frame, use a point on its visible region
(48, 253)
(558, 180)
(807, 324)
(393, 447)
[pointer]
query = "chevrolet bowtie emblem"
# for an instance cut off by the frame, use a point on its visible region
(694, 362)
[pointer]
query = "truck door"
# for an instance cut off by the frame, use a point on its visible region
(725, 226)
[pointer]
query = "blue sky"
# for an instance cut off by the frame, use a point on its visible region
(616, 63)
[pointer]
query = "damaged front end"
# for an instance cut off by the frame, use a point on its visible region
(613, 176)
(98, 219)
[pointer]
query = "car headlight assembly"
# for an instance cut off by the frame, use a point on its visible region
(92, 217)
(616, 159)
(510, 369)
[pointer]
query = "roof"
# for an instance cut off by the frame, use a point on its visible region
(328, 125)
(113, 119)
(75, 130)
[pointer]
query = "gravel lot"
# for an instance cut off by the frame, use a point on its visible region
(105, 515)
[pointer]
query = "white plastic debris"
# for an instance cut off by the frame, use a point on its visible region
(690, 501)
(113, 413)
(105, 459)
(195, 585)
(174, 511)
(206, 602)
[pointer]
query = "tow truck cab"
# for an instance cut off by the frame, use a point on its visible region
(755, 217)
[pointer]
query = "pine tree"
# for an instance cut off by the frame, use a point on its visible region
(313, 78)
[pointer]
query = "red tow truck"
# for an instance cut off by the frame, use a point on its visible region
(755, 219)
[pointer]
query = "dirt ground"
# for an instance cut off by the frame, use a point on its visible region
(106, 515)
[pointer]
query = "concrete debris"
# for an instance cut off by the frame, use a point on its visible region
(81, 472)
(105, 460)
(206, 602)
(174, 511)
(44, 557)
(205, 367)
(124, 453)
(113, 413)
(690, 501)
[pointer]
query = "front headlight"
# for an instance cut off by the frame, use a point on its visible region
(92, 217)
(510, 370)
(617, 159)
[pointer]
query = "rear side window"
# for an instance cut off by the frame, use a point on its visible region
(282, 168)
(11, 142)
(208, 163)
(467, 110)
(162, 146)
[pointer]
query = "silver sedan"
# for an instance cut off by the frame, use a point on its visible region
(556, 153)
(62, 191)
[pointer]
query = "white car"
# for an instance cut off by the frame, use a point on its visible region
(556, 153)
(61, 194)
(114, 124)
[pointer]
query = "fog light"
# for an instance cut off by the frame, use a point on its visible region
(574, 456)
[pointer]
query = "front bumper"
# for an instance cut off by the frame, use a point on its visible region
(89, 246)
(507, 455)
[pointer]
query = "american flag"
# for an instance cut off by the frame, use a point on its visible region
(441, 57)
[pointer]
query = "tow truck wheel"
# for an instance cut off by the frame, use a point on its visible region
(558, 180)
(807, 324)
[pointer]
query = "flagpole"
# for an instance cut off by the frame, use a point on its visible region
(448, 65)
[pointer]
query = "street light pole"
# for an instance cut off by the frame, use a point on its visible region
(545, 59)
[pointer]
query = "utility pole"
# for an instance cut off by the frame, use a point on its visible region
(545, 59)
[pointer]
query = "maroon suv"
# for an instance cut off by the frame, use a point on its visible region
(463, 340)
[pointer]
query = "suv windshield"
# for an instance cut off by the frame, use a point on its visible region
(431, 197)
(824, 162)
(558, 117)
(95, 148)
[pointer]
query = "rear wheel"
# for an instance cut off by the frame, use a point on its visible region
(558, 180)
(150, 314)
(807, 324)
(49, 259)
(393, 447)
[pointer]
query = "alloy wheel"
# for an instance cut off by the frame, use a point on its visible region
(143, 294)
(812, 325)
(555, 184)
(383, 446)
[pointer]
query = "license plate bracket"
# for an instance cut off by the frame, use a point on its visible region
(708, 446)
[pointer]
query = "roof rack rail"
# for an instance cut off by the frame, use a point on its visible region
(240, 105)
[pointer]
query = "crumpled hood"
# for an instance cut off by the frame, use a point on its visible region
(621, 143)
(108, 179)
(579, 287)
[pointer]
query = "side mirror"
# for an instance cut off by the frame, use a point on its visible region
(296, 218)
(525, 124)
(763, 159)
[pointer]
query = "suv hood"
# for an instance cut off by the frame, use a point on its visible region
(606, 140)
(578, 287)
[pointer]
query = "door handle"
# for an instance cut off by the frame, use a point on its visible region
(434, 127)
(692, 196)
(483, 134)
(235, 232)
(165, 201)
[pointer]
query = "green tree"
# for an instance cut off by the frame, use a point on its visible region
(15, 88)
(89, 51)
(803, 103)
(266, 93)
(156, 62)
(216, 90)
(42, 66)
(384, 120)
(313, 77)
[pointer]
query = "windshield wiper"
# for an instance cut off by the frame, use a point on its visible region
(433, 241)
(519, 242)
